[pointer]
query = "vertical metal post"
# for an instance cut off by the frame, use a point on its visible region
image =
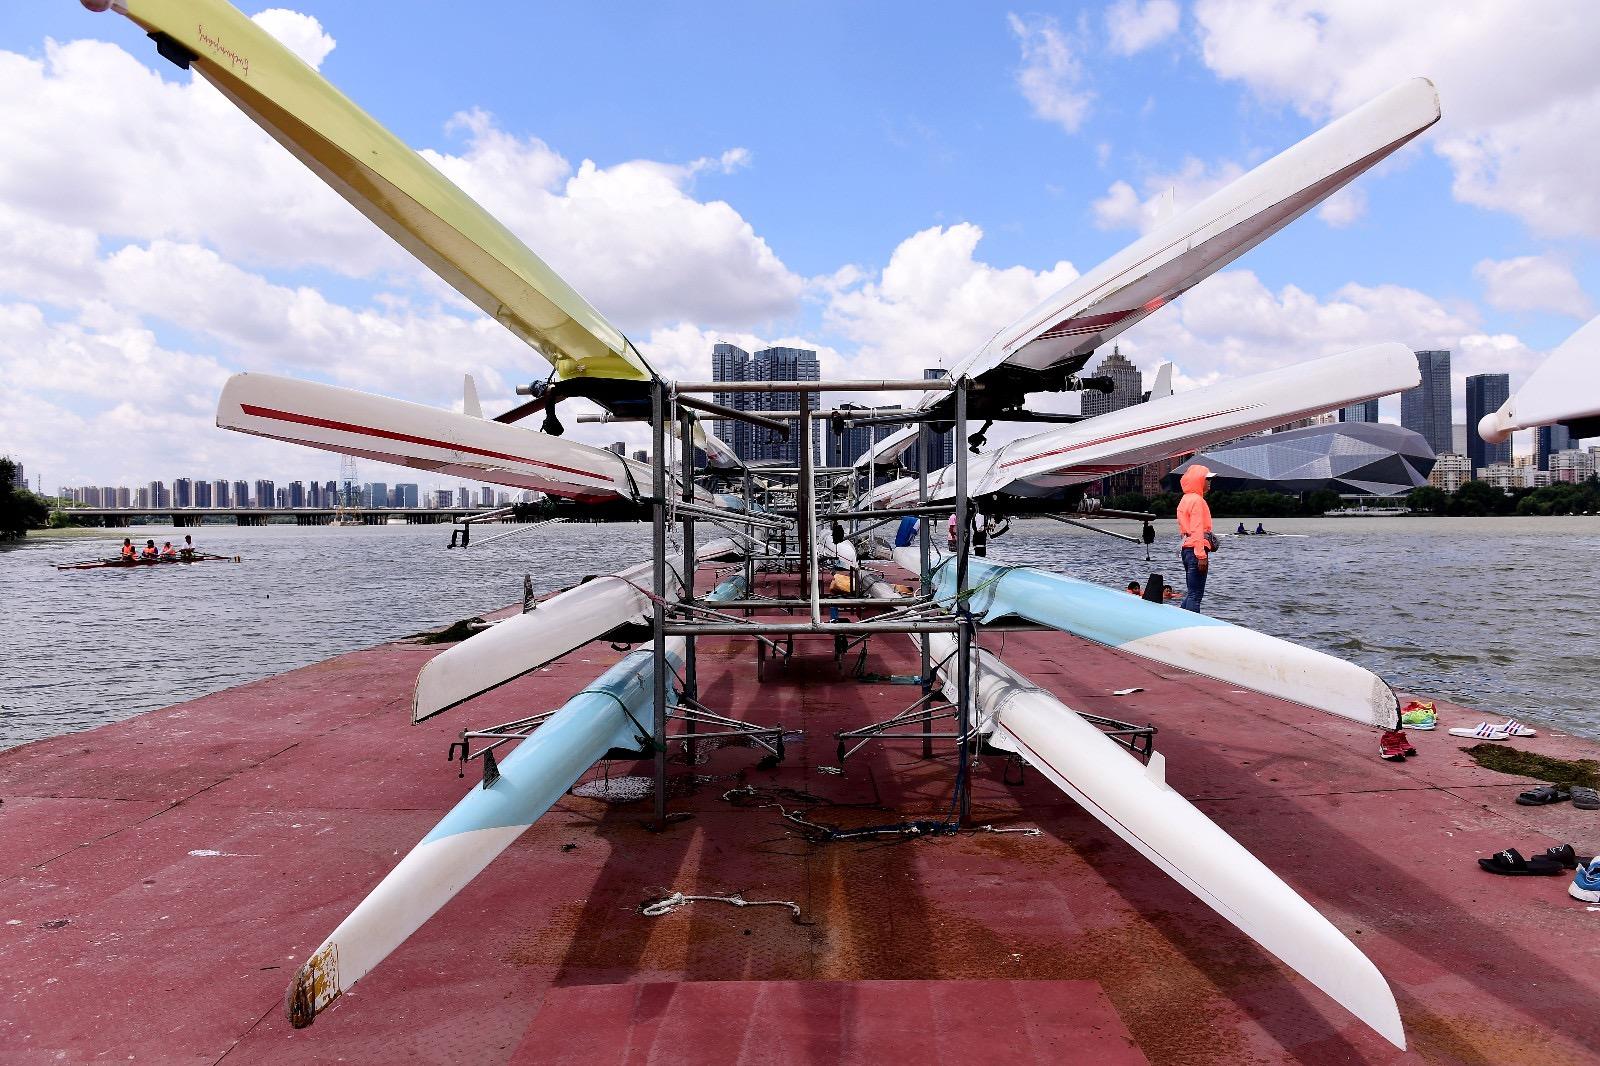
(963, 615)
(691, 683)
(750, 545)
(658, 546)
(925, 543)
(806, 509)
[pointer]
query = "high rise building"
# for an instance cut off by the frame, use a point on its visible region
(486, 496)
(1426, 408)
(1552, 439)
(108, 496)
(1128, 390)
(183, 492)
(220, 496)
(124, 497)
(266, 493)
(463, 497)
(379, 494)
(1450, 471)
(755, 443)
(642, 456)
(941, 449)
(160, 495)
(1360, 412)
(241, 494)
(297, 494)
(1572, 465)
(618, 447)
(202, 494)
(142, 497)
(406, 496)
(1458, 438)
(845, 448)
(19, 480)
(1485, 393)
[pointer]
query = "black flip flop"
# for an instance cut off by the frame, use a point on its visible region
(1567, 856)
(1538, 797)
(1585, 799)
(1511, 863)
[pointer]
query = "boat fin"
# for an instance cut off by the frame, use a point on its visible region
(1564, 389)
(469, 398)
(1166, 206)
(1163, 383)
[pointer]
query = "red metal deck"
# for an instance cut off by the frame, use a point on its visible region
(165, 876)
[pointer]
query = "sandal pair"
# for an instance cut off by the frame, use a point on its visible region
(1554, 861)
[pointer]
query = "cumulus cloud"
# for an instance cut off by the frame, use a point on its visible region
(300, 33)
(1532, 283)
(1132, 25)
(1051, 74)
(1344, 207)
(1164, 193)
(935, 302)
(631, 237)
(1519, 88)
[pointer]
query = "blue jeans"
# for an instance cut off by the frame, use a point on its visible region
(1196, 579)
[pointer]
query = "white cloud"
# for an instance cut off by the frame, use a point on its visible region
(1194, 180)
(1532, 283)
(301, 34)
(631, 237)
(1344, 207)
(1133, 26)
(1518, 85)
(933, 304)
(1051, 74)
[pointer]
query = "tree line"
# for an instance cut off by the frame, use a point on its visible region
(1472, 499)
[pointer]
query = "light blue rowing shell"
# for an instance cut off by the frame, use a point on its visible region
(1171, 635)
(614, 711)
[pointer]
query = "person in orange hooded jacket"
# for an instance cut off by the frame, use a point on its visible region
(1194, 523)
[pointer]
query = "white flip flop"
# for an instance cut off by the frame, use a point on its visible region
(1481, 731)
(1517, 729)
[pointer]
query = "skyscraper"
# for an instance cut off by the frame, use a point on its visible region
(220, 496)
(1485, 393)
(183, 492)
(202, 494)
(379, 494)
(241, 494)
(1426, 408)
(19, 480)
(297, 494)
(754, 443)
(266, 493)
(160, 496)
(1129, 388)
(1552, 439)
(942, 448)
(1360, 412)
(406, 495)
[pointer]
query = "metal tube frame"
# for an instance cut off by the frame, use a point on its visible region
(692, 617)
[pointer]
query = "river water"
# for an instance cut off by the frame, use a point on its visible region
(1502, 613)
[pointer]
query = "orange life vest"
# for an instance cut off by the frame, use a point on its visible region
(127, 551)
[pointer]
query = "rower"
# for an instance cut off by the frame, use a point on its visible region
(167, 551)
(188, 548)
(149, 550)
(1241, 530)
(128, 551)
(1261, 530)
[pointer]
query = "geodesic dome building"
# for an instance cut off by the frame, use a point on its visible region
(1351, 458)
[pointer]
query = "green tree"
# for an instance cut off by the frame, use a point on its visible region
(1480, 498)
(1428, 499)
(20, 510)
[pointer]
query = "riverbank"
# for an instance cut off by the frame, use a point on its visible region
(166, 875)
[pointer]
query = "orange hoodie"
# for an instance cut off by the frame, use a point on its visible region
(1194, 514)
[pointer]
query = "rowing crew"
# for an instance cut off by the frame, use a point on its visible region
(149, 553)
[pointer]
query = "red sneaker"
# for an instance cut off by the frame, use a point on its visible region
(1394, 746)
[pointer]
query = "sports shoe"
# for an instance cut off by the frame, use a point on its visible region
(1419, 715)
(1394, 746)
(1586, 883)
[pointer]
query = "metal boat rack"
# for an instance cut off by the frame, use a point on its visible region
(775, 504)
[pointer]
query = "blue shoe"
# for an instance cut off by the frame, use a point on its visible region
(1586, 884)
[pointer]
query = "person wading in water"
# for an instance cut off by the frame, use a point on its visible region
(1194, 522)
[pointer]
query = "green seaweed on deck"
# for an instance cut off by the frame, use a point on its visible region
(1508, 760)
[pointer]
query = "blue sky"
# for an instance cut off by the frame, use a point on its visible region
(862, 126)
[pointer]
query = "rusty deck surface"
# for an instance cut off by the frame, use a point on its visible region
(162, 878)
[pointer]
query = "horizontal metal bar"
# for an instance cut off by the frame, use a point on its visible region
(1111, 512)
(756, 628)
(827, 385)
(863, 601)
(932, 512)
(607, 416)
(722, 514)
(717, 409)
(1064, 520)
